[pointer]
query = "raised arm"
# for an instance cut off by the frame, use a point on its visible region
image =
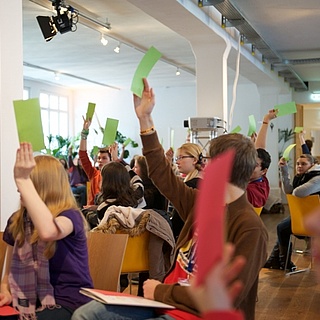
(261, 141)
(303, 144)
(48, 228)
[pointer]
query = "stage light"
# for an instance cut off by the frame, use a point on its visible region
(47, 27)
(62, 23)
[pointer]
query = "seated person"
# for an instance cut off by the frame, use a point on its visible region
(306, 182)
(258, 188)
(244, 228)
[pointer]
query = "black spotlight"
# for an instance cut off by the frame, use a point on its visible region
(63, 23)
(47, 27)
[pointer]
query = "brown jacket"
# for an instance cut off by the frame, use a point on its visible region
(244, 228)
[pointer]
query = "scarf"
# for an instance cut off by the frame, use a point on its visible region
(29, 277)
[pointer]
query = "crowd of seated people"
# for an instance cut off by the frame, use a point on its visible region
(127, 194)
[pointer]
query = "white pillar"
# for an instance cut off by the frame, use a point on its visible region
(11, 88)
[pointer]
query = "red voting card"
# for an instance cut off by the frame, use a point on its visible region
(209, 214)
(6, 311)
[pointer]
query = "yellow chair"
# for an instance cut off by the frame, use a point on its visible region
(299, 208)
(136, 257)
(106, 253)
(258, 210)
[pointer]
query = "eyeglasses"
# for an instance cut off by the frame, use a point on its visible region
(182, 157)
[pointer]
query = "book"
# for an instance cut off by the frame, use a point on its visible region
(117, 298)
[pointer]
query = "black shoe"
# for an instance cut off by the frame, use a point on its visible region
(290, 267)
(272, 263)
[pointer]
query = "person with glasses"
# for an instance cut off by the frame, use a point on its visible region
(189, 164)
(306, 182)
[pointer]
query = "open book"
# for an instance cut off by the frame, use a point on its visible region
(117, 298)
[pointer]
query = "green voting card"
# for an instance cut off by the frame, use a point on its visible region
(110, 131)
(287, 151)
(95, 150)
(90, 111)
(145, 66)
(127, 142)
(298, 129)
(172, 139)
(237, 129)
(29, 125)
(252, 125)
(286, 108)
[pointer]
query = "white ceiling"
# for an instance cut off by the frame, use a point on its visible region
(290, 28)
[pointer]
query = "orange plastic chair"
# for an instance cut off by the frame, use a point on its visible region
(258, 210)
(136, 257)
(299, 208)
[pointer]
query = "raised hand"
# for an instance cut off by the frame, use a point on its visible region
(144, 105)
(24, 162)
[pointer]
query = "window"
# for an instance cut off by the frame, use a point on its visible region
(54, 115)
(26, 93)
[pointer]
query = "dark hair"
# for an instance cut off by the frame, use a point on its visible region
(265, 158)
(144, 171)
(245, 158)
(309, 144)
(116, 185)
(105, 150)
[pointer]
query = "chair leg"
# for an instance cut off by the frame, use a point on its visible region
(287, 274)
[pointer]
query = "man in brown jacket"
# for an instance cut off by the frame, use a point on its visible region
(244, 228)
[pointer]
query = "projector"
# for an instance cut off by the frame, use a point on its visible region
(203, 124)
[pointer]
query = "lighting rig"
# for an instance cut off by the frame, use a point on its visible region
(65, 20)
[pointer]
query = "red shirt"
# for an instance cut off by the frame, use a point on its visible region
(258, 192)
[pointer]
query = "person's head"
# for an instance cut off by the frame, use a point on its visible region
(189, 160)
(103, 157)
(304, 163)
(262, 165)
(245, 158)
(309, 144)
(132, 161)
(52, 184)
(141, 167)
(116, 185)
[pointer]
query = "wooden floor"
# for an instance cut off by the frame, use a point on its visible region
(296, 297)
(292, 297)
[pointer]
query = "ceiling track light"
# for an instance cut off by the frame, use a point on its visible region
(103, 40)
(117, 48)
(178, 72)
(57, 76)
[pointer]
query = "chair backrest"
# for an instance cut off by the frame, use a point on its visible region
(3, 249)
(106, 252)
(299, 208)
(136, 258)
(258, 210)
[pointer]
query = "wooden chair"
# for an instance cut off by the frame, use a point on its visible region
(106, 252)
(258, 210)
(299, 208)
(136, 257)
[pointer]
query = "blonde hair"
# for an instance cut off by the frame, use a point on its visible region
(52, 184)
(194, 150)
